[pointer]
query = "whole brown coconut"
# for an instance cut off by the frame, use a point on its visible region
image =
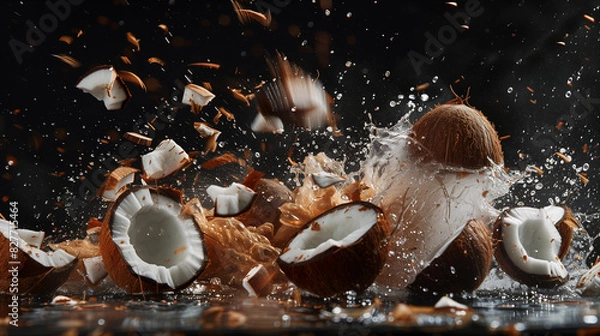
(463, 266)
(458, 135)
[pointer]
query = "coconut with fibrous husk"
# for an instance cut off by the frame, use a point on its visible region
(116, 181)
(149, 244)
(530, 244)
(341, 250)
(167, 158)
(463, 266)
(27, 266)
(105, 84)
(458, 135)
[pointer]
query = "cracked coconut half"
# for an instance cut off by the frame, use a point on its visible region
(531, 242)
(149, 244)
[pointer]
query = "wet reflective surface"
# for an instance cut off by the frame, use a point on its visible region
(531, 68)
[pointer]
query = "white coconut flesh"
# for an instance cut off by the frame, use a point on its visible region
(155, 241)
(339, 228)
(324, 179)
(532, 240)
(589, 283)
(30, 244)
(165, 159)
(94, 269)
(232, 200)
(267, 124)
(196, 95)
(104, 85)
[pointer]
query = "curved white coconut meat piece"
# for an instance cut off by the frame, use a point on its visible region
(116, 181)
(231, 200)
(58, 258)
(196, 96)
(210, 134)
(267, 124)
(155, 240)
(537, 228)
(94, 269)
(324, 179)
(105, 84)
(167, 158)
(338, 228)
(589, 283)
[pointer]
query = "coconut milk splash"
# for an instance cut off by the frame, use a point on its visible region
(427, 204)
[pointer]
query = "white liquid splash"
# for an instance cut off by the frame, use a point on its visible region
(427, 204)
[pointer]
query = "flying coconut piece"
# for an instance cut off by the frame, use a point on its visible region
(148, 244)
(589, 283)
(167, 158)
(325, 179)
(197, 97)
(37, 271)
(257, 281)
(210, 134)
(343, 249)
(267, 124)
(105, 84)
(116, 181)
(90, 266)
(530, 244)
(460, 136)
(293, 97)
(232, 200)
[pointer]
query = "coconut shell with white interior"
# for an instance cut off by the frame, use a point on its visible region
(462, 266)
(530, 244)
(343, 249)
(458, 135)
(148, 244)
(39, 271)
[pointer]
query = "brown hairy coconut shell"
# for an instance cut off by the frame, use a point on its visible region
(458, 135)
(463, 266)
(270, 195)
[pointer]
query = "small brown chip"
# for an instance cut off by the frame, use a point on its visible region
(130, 77)
(68, 60)
(138, 139)
(563, 157)
(422, 87)
(589, 18)
(206, 65)
(156, 60)
(133, 40)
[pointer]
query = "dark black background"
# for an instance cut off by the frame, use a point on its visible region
(359, 50)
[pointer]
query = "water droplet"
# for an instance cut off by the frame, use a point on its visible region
(424, 97)
(585, 166)
(568, 94)
(539, 186)
(349, 14)
(392, 103)
(434, 79)
(509, 90)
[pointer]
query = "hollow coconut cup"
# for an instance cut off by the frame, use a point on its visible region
(530, 244)
(148, 244)
(340, 250)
